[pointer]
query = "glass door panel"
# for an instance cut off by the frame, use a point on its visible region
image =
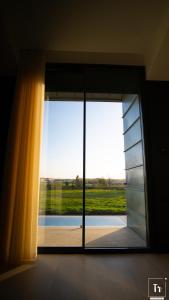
(105, 205)
(61, 193)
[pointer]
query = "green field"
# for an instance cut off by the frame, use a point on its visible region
(99, 201)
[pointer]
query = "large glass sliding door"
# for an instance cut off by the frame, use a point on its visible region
(86, 200)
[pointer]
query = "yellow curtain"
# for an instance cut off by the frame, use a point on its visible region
(20, 196)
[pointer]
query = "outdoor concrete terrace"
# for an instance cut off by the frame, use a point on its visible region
(95, 237)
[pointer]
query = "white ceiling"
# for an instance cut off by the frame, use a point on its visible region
(118, 32)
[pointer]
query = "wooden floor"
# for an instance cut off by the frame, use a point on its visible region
(85, 277)
(95, 237)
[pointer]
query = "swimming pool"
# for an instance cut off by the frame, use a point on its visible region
(77, 220)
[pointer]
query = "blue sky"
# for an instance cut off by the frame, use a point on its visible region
(62, 140)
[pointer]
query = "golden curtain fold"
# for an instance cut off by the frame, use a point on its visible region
(20, 195)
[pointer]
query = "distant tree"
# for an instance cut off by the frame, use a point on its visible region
(77, 181)
(102, 182)
(48, 186)
(66, 183)
(109, 182)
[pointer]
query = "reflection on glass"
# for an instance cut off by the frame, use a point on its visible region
(60, 205)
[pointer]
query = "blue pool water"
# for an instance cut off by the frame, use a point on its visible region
(77, 220)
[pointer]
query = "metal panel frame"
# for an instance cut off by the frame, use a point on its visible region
(145, 175)
(138, 98)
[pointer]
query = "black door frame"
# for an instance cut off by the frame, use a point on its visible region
(93, 78)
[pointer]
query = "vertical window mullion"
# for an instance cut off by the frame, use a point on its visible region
(84, 167)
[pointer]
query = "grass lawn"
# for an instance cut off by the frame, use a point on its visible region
(69, 202)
